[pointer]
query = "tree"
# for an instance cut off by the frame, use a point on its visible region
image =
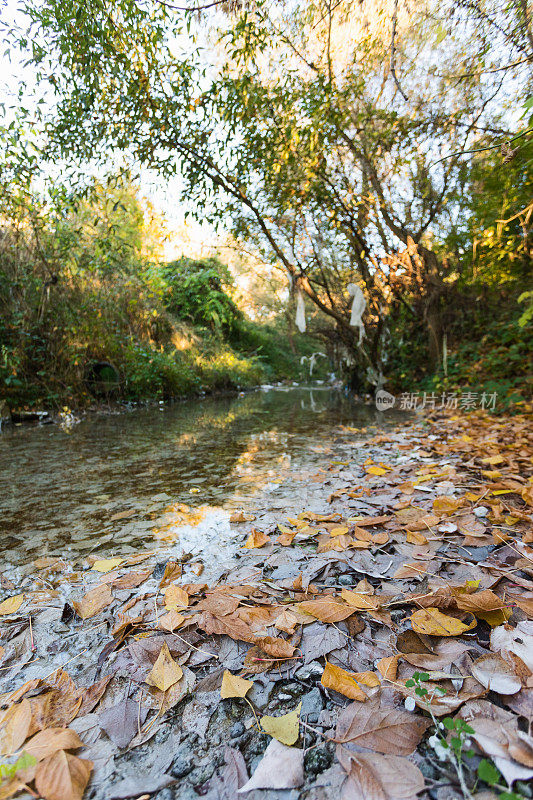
(331, 135)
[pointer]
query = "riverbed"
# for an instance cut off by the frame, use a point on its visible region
(168, 477)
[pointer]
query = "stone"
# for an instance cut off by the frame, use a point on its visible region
(317, 760)
(182, 763)
(312, 670)
(259, 696)
(236, 730)
(312, 702)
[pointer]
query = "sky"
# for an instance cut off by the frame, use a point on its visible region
(185, 236)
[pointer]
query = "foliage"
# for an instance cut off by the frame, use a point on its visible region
(197, 291)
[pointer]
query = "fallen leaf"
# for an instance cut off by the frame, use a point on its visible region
(384, 730)
(341, 681)
(275, 646)
(286, 728)
(378, 777)
(287, 621)
(47, 742)
(495, 674)
(233, 686)
(170, 621)
(165, 672)
(15, 727)
(62, 776)
(175, 597)
(256, 539)
(281, 767)
(94, 601)
(432, 621)
(107, 564)
(326, 609)
(361, 602)
(388, 667)
(123, 721)
(11, 605)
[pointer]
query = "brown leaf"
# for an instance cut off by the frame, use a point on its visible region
(384, 730)
(175, 597)
(361, 602)
(62, 776)
(256, 539)
(94, 601)
(49, 741)
(342, 681)
(123, 721)
(376, 777)
(230, 625)
(326, 609)
(275, 646)
(495, 674)
(15, 727)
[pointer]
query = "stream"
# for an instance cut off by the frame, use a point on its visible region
(168, 477)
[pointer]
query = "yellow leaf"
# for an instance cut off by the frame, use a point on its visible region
(492, 461)
(12, 604)
(388, 667)
(414, 537)
(170, 621)
(492, 474)
(107, 564)
(445, 504)
(341, 681)
(362, 602)
(376, 471)
(340, 531)
(165, 672)
(256, 539)
(286, 728)
(233, 686)
(434, 622)
(175, 597)
(367, 678)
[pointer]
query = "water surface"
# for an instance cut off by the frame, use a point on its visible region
(147, 478)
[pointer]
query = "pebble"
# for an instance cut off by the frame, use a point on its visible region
(236, 730)
(312, 702)
(345, 580)
(311, 670)
(317, 760)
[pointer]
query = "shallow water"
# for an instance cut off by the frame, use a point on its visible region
(154, 477)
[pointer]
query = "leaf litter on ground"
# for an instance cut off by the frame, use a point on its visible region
(417, 557)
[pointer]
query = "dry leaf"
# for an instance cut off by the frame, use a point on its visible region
(342, 681)
(256, 539)
(11, 605)
(15, 727)
(432, 621)
(326, 609)
(361, 602)
(384, 730)
(495, 674)
(286, 728)
(165, 672)
(107, 564)
(47, 742)
(171, 621)
(377, 777)
(233, 686)
(62, 776)
(281, 767)
(94, 601)
(175, 597)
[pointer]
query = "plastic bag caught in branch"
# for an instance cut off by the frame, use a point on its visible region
(358, 307)
(300, 312)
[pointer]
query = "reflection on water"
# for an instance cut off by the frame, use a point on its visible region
(125, 478)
